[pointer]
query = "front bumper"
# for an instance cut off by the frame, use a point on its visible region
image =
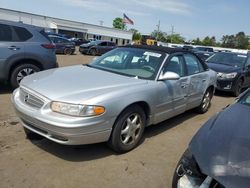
(226, 85)
(60, 128)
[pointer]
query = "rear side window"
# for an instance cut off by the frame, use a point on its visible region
(193, 64)
(22, 34)
(5, 33)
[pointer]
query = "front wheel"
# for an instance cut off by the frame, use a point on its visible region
(93, 52)
(238, 88)
(205, 103)
(128, 129)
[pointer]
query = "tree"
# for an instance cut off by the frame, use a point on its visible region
(175, 38)
(136, 34)
(118, 23)
(241, 40)
(159, 35)
(197, 41)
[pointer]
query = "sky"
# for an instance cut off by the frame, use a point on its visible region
(190, 18)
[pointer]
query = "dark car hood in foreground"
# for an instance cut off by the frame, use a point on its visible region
(222, 147)
(77, 83)
(223, 68)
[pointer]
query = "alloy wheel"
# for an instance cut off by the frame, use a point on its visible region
(131, 129)
(24, 72)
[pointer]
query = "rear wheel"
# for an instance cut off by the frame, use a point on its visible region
(31, 135)
(128, 129)
(205, 103)
(238, 88)
(67, 51)
(20, 72)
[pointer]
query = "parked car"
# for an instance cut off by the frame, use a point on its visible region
(79, 41)
(203, 55)
(115, 97)
(218, 155)
(24, 49)
(63, 45)
(98, 47)
(233, 70)
(204, 49)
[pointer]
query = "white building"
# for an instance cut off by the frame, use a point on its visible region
(68, 27)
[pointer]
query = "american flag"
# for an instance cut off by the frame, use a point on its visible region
(127, 20)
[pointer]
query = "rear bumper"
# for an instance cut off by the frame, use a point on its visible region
(62, 129)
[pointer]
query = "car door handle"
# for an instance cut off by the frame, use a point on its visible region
(13, 48)
(204, 80)
(183, 86)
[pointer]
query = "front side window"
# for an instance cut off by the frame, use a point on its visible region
(193, 64)
(245, 99)
(175, 65)
(103, 44)
(132, 62)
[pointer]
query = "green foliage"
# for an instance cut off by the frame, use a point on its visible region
(159, 35)
(175, 38)
(136, 34)
(240, 41)
(118, 24)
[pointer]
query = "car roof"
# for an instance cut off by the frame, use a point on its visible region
(20, 24)
(160, 49)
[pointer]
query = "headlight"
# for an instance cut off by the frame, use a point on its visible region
(227, 76)
(77, 109)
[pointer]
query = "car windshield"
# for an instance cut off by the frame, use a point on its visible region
(133, 62)
(231, 59)
(245, 99)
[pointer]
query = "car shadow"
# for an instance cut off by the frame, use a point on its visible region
(101, 150)
(5, 88)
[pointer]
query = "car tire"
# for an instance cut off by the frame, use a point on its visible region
(31, 135)
(128, 129)
(93, 52)
(20, 72)
(67, 51)
(238, 88)
(205, 103)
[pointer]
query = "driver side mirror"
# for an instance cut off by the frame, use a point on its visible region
(169, 76)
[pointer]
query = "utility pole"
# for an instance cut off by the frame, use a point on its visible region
(172, 32)
(158, 29)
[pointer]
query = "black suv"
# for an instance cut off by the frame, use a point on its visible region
(98, 47)
(24, 49)
(233, 71)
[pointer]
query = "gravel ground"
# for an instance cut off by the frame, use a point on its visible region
(42, 163)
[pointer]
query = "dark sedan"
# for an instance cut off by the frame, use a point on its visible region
(233, 71)
(97, 47)
(63, 45)
(218, 155)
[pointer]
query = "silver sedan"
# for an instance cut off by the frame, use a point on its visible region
(115, 97)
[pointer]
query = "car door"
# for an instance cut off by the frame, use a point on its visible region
(102, 47)
(173, 93)
(11, 47)
(247, 72)
(199, 79)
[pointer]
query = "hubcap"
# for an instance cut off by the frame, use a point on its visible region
(24, 72)
(206, 101)
(131, 129)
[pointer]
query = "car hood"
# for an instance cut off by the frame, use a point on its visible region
(222, 147)
(77, 83)
(223, 68)
(86, 45)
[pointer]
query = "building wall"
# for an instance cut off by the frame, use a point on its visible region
(72, 28)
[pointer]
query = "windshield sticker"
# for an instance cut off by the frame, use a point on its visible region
(152, 54)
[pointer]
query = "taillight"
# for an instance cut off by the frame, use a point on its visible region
(48, 46)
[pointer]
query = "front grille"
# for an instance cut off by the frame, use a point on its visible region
(30, 99)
